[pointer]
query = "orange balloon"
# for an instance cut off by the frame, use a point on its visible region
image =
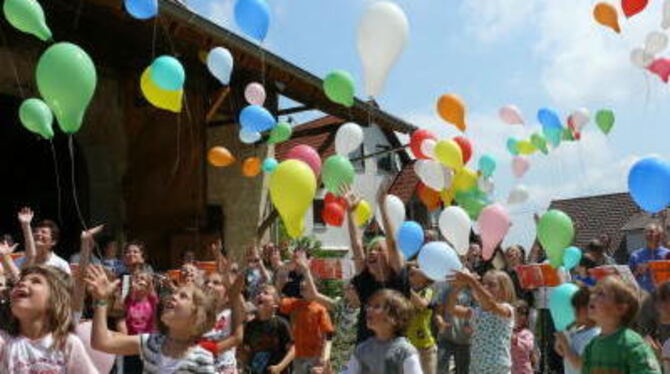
(251, 167)
(220, 157)
(606, 15)
(429, 197)
(452, 109)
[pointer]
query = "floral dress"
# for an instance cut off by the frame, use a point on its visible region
(491, 342)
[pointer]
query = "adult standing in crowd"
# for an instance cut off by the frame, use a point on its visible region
(639, 260)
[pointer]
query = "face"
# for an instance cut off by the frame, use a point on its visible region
(603, 308)
(179, 309)
(350, 294)
(189, 274)
(492, 285)
(652, 234)
(375, 254)
(43, 237)
(253, 259)
(474, 253)
(375, 317)
(214, 283)
(111, 250)
(133, 256)
(30, 297)
(141, 283)
(266, 299)
(189, 256)
(513, 256)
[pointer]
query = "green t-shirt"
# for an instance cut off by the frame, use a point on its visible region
(623, 352)
(418, 331)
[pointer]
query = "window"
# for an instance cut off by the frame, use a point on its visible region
(386, 162)
(357, 159)
(317, 210)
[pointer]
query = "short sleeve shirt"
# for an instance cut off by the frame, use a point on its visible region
(311, 325)
(623, 352)
(267, 342)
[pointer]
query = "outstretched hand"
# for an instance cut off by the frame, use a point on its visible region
(26, 215)
(349, 196)
(6, 248)
(99, 284)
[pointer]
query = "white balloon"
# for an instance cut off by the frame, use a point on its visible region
(655, 42)
(348, 138)
(580, 118)
(382, 36)
(249, 137)
(455, 226)
(396, 212)
(641, 58)
(220, 64)
(428, 147)
(486, 185)
(431, 173)
(518, 195)
(448, 177)
(666, 15)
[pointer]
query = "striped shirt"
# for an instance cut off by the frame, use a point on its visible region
(196, 361)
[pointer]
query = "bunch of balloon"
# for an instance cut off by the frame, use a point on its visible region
(555, 231)
(162, 83)
(27, 16)
(292, 189)
(334, 208)
(551, 125)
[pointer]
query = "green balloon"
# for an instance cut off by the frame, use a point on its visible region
(337, 171)
(280, 133)
(540, 142)
(66, 79)
(339, 87)
(472, 201)
(567, 135)
(27, 16)
(605, 120)
(36, 116)
(555, 232)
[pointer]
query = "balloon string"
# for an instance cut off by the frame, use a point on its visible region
(11, 62)
(175, 168)
(153, 39)
(647, 90)
(58, 187)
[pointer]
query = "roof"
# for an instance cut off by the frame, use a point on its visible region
(639, 221)
(405, 182)
(318, 134)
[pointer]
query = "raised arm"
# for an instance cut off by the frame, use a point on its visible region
(452, 307)
(486, 300)
(238, 315)
(87, 244)
(25, 219)
(8, 264)
(354, 233)
(396, 259)
(310, 291)
(419, 301)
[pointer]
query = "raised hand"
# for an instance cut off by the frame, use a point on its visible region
(350, 196)
(98, 283)
(25, 215)
(6, 248)
(90, 233)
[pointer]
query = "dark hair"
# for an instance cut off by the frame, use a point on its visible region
(522, 304)
(52, 226)
(105, 240)
(662, 293)
(139, 244)
(581, 298)
(587, 262)
(595, 245)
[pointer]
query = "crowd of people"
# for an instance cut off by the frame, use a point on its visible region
(267, 314)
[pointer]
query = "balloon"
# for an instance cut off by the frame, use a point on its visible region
(579, 118)
(511, 115)
(337, 172)
(292, 189)
(142, 9)
(249, 137)
(102, 361)
(518, 195)
(308, 155)
(429, 197)
(665, 24)
(251, 167)
(339, 87)
(605, 14)
(512, 146)
(455, 226)
(66, 80)
(526, 147)
(633, 7)
(548, 118)
(256, 118)
(269, 165)
(566, 135)
(466, 148)
(452, 109)
(348, 138)
(220, 157)
(555, 232)
(220, 64)
(410, 238)
(430, 173)
(449, 154)
(520, 166)
(649, 183)
(438, 261)
(553, 134)
(418, 138)
(280, 133)
(605, 120)
(395, 209)
(332, 198)
(253, 18)
(447, 197)
(465, 180)
(381, 37)
(571, 257)
(428, 148)
(560, 305)
(168, 73)
(486, 185)
(162, 99)
(539, 142)
(655, 42)
(254, 93)
(27, 16)
(362, 213)
(640, 58)
(333, 214)
(493, 223)
(472, 201)
(36, 116)
(487, 165)
(660, 67)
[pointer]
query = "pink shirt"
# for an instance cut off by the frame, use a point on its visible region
(141, 314)
(523, 343)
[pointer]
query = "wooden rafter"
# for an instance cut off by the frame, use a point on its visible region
(220, 97)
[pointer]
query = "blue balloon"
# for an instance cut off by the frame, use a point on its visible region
(410, 238)
(253, 18)
(553, 135)
(249, 137)
(571, 257)
(511, 146)
(168, 73)
(438, 260)
(220, 64)
(142, 9)
(269, 165)
(560, 305)
(548, 118)
(649, 184)
(487, 165)
(255, 118)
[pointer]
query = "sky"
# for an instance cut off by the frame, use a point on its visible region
(533, 54)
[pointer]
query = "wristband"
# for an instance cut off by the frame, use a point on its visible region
(100, 303)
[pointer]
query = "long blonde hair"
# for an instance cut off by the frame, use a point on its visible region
(505, 283)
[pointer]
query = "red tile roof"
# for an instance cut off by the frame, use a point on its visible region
(323, 143)
(405, 182)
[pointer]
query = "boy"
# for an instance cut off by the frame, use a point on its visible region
(39, 244)
(419, 330)
(571, 345)
(618, 349)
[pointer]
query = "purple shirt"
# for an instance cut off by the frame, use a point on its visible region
(642, 256)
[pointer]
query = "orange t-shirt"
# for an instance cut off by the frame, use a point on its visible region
(310, 324)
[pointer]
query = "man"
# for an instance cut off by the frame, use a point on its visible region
(39, 244)
(598, 252)
(639, 260)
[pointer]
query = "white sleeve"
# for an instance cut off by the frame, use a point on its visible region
(412, 365)
(352, 367)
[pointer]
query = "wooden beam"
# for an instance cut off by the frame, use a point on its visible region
(221, 96)
(296, 109)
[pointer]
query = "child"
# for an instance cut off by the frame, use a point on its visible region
(40, 243)
(40, 338)
(186, 315)
(618, 349)
(571, 346)
(419, 331)
(492, 321)
(141, 305)
(388, 314)
(523, 341)
(110, 259)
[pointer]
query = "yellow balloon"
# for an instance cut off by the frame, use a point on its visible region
(465, 180)
(292, 189)
(449, 154)
(362, 213)
(447, 196)
(158, 97)
(525, 147)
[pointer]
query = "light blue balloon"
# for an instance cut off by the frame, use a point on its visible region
(220, 64)
(255, 118)
(560, 305)
(511, 146)
(549, 118)
(438, 260)
(571, 257)
(249, 137)
(168, 73)
(269, 165)
(649, 184)
(553, 135)
(487, 165)
(410, 238)
(142, 9)
(253, 18)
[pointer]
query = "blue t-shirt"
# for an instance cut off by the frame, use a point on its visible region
(642, 256)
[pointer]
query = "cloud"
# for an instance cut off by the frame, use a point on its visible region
(217, 11)
(491, 20)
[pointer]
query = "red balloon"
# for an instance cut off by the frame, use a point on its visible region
(660, 67)
(429, 197)
(308, 155)
(466, 148)
(633, 7)
(333, 214)
(339, 200)
(416, 139)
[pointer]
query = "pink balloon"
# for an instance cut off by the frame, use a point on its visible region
(102, 361)
(520, 166)
(254, 93)
(511, 115)
(661, 67)
(308, 155)
(493, 225)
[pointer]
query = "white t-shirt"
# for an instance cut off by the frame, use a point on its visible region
(411, 365)
(222, 329)
(53, 260)
(20, 355)
(579, 339)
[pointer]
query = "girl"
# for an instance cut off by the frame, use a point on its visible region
(523, 341)
(492, 321)
(419, 331)
(388, 314)
(40, 337)
(141, 305)
(186, 315)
